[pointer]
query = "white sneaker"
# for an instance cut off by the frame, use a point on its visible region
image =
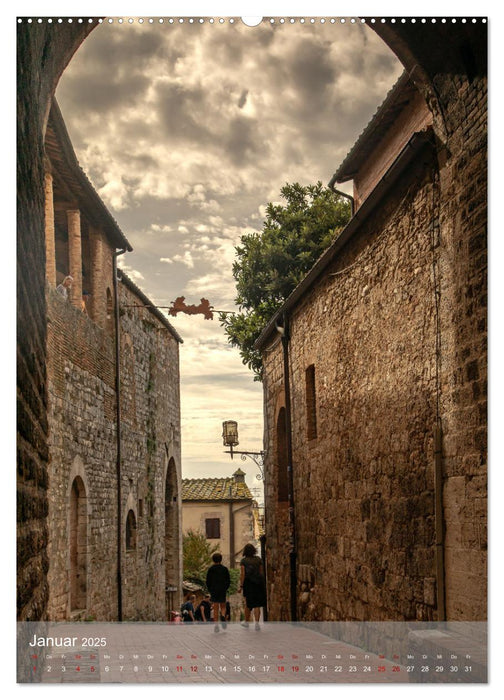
(244, 624)
(257, 626)
(216, 628)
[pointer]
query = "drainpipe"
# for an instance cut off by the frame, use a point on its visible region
(284, 334)
(331, 184)
(118, 421)
(438, 491)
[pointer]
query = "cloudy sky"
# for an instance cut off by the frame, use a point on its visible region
(187, 131)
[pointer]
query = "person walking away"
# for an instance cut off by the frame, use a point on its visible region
(252, 584)
(218, 582)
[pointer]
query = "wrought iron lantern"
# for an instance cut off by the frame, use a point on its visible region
(230, 439)
(230, 434)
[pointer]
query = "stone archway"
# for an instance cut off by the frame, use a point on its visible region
(78, 546)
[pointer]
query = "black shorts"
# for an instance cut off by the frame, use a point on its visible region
(217, 596)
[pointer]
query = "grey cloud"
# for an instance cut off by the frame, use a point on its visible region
(181, 110)
(116, 48)
(243, 141)
(227, 52)
(102, 92)
(312, 72)
(110, 70)
(136, 129)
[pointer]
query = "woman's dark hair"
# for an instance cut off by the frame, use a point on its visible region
(249, 550)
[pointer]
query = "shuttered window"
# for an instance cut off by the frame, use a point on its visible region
(212, 527)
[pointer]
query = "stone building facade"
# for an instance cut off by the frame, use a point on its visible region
(374, 387)
(114, 516)
(224, 510)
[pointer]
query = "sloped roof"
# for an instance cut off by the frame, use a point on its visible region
(215, 489)
(401, 93)
(62, 156)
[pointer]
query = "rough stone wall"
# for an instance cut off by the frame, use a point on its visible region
(449, 66)
(364, 487)
(82, 422)
(464, 363)
(151, 438)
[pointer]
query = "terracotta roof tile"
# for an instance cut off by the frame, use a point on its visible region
(218, 489)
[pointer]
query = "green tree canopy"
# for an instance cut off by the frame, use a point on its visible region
(197, 559)
(270, 264)
(197, 556)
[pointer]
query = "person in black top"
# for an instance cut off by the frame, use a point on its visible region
(217, 582)
(252, 584)
(203, 612)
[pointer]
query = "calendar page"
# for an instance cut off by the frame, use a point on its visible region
(252, 349)
(323, 652)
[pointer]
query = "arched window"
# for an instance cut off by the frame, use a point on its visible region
(281, 458)
(131, 532)
(78, 545)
